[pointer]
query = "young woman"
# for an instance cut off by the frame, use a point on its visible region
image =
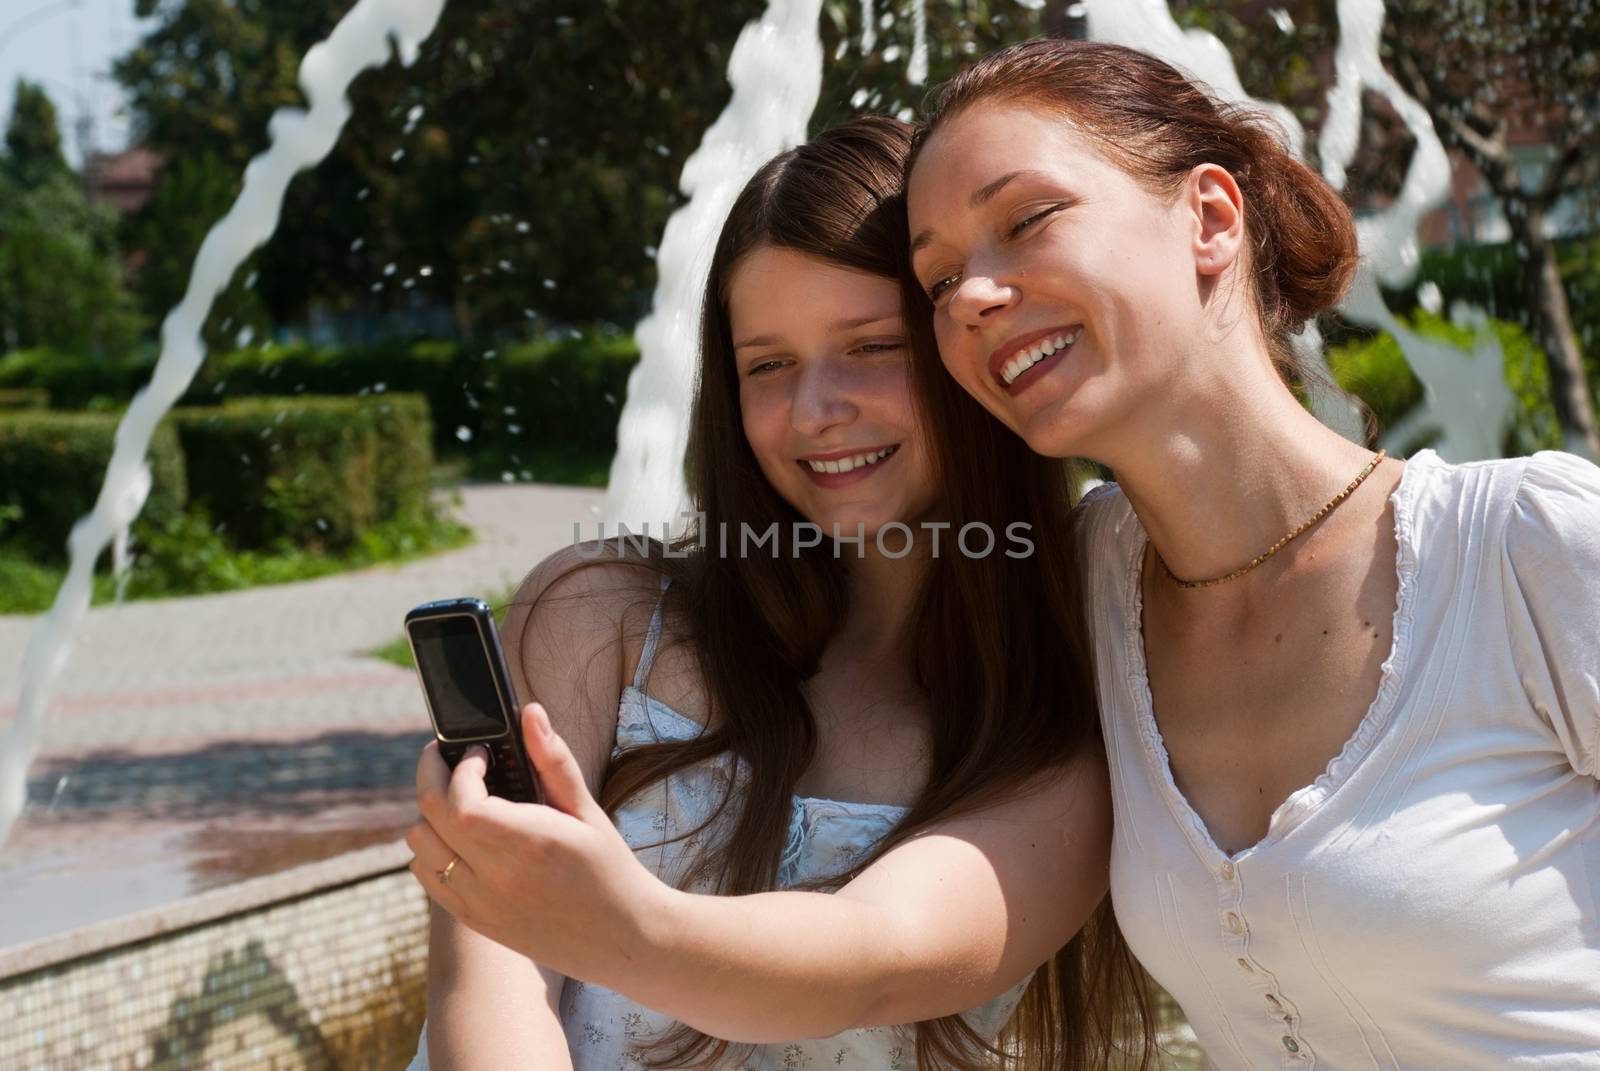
(912, 727)
(1352, 706)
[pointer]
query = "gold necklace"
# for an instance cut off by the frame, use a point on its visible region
(1286, 540)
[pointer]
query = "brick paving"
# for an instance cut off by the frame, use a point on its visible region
(195, 741)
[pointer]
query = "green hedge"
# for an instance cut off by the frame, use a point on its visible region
(1375, 370)
(74, 381)
(52, 466)
(498, 407)
(538, 410)
(12, 399)
(321, 471)
(313, 473)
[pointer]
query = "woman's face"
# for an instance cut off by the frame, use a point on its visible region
(1061, 286)
(825, 390)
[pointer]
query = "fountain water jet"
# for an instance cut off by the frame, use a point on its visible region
(300, 139)
(1471, 410)
(776, 73)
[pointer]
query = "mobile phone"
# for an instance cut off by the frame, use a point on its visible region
(468, 690)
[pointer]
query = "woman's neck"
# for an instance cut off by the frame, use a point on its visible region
(1230, 473)
(882, 598)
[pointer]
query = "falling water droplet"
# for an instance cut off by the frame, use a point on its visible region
(464, 433)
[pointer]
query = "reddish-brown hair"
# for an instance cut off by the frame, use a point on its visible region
(1157, 125)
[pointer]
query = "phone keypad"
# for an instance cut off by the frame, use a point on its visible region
(510, 777)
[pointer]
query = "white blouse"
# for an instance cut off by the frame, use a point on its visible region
(1432, 900)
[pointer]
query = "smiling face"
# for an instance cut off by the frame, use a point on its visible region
(825, 389)
(1064, 291)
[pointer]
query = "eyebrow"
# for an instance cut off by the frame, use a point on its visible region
(837, 325)
(980, 197)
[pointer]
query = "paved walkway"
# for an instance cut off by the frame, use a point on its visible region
(192, 742)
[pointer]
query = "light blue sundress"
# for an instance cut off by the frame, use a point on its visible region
(608, 1032)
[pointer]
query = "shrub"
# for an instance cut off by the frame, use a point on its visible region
(24, 398)
(316, 472)
(1375, 370)
(1491, 277)
(73, 380)
(503, 409)
(306, 467)
(52, 466)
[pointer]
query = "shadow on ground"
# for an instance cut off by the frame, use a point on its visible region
(244, 778)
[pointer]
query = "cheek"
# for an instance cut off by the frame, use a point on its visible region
(763, 415)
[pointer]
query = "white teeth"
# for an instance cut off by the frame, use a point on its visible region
(849, 464)
(1034, 354)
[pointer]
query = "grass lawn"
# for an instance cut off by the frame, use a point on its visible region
(398, 652)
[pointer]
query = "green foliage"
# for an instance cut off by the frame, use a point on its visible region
(234, 531)
(186, 556)
(1491, 278)
(74, 380)
(60, 272)
(24, 398)
(546, 145)
(193, 192)
(33, 138)
(60, 277)
(541, 410)
(958, 31)
(318, 466)
(51, 468)
(1375, 370)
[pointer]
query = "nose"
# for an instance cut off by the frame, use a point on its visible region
(979, 296)
(821, 399)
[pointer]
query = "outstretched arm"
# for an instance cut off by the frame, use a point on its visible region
(488, 1005)
(949, 919)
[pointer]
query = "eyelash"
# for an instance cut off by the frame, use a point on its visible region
(1025, 224)
(939, 288)
(870, 348)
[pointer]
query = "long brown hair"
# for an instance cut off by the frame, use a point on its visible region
(1157, 125)
(1001, 647)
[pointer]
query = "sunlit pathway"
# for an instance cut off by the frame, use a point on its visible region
(196, 741)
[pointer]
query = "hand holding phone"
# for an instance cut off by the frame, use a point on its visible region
(468, 691)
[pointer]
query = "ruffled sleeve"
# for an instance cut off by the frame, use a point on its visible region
(1552, 558)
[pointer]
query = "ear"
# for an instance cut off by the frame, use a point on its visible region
(1217, 212)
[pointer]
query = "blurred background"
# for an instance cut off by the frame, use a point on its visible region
(413, 389)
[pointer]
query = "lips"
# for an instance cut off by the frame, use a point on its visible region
(845, 466)
(1014, 359)
(847, 462)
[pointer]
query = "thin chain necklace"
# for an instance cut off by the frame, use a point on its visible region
(1286, 540)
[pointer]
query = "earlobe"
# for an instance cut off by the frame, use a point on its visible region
(1218, 209)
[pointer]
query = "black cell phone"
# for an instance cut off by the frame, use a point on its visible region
(468, 690)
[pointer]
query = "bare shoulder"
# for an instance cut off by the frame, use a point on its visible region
(572, 634)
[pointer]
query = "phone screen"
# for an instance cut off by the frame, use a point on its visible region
(454, 664)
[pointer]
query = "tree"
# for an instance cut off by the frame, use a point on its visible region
(60, 274)
(1484, 70)
(33, 137)
(522, 167)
